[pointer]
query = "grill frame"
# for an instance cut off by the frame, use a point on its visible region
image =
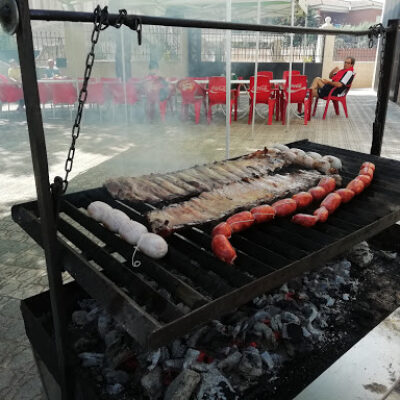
(303, 249)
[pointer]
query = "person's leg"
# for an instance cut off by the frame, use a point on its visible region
(316, 84)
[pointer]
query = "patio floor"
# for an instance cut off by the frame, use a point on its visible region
(106, 150)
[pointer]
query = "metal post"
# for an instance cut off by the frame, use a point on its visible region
(384, 85)
(228, 80)
(41, 172)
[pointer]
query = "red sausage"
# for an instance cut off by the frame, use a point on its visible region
(318, 193)
(356, 185)
(322, 214)
(368, 165)
(366, 179)
(367, 171)
(331, 202)
(223, 249)
(345, 194)
(303, 199)
(305, 220)
(328, 183)
(284, 207)
(222, 229)
(240, 221)
(263, 213)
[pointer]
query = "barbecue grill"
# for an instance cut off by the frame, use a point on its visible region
(268, 254)
(197, 281)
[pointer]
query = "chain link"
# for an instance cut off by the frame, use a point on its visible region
(100, 23)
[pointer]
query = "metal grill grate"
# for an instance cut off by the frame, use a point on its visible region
(268, 255)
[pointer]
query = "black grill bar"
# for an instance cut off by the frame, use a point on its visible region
(268, 254)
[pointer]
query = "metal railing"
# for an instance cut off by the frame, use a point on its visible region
(48, 44)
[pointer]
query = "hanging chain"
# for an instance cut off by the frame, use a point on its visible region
(101, 23)
(375, 31)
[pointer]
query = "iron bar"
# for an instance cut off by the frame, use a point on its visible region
(384, 86)
(45, 203)
(75, 16)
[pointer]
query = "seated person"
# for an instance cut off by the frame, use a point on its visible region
(51, 71)
(338, 79)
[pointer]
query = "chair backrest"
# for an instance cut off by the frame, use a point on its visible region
(286, 74)
(10, 93)
(298, 89)
(45, 92)
(95, 91)
(217, 89)
(102, 79)
(268, 74)
(63, 93)
(189, 89)
(263, 89)
(348, 87)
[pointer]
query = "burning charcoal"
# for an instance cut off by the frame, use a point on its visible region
(215, 386)
(267, 359)
(329, 300)
(119, 355)
(182, 387)
(80, 318)
(152, 383)
(290, 317)
(260, 301)
(190, 357)
(293, 332)
(113, 377)
(219, 327)
(389, 255)
(112, 337)
(183, 307)
(272, 311)
(85, 344)
(284, 288)
(91, 359)
(178, 349)
(93, 314)
(196, 336)
(306, 333)
(87, 304)
(202, 367)
(276, 323)
(231, 361)
(104, 325)
(157, 356)
(346, 297)
(251, 364)
(266, 332)
(361, 255)
(163, 292)
(115, 389)
(290, 348)
(174, 363)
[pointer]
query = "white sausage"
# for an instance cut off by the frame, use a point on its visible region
(153, 245)
(97, 209)
(131, 231)
(305, 161)
(334, 161)
(322, 165)
(113, 219)
(280, 147)
(314, 155)
(298, 152)
(290, 156)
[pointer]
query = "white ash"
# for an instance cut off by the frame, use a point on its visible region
(361, 254)
(226, 356)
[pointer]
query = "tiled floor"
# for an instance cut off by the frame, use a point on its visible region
(106, 150)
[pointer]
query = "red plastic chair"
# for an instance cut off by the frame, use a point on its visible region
(300, 94)
(63, 93)
(286, 74)
(10, 93)
(268, 74)
(102, 79)
(192, 93)
(336, 100)
(217, 95)
(264, 95)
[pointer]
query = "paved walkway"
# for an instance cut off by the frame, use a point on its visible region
(108, 149)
